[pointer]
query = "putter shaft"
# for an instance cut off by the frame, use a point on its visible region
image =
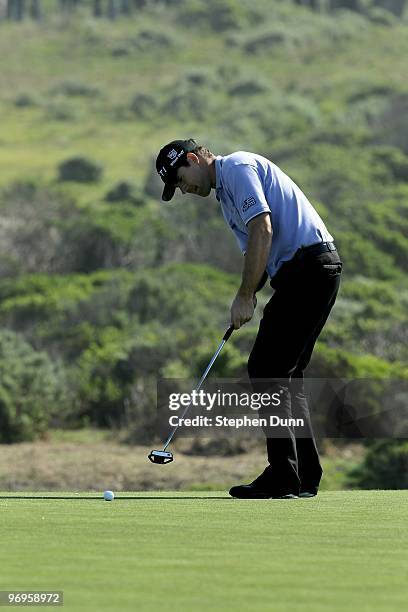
(202, 379)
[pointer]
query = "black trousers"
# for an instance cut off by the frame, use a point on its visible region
(305, 291)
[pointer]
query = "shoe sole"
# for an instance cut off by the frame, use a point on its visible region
(306, 495)
(289, 496)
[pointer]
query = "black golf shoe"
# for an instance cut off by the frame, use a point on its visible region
(308, 492)
(251, 491)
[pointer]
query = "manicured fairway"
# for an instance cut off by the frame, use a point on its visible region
(204, 551)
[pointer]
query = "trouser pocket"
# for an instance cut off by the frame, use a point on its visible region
(333, 269)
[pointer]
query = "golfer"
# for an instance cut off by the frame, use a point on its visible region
(283, 238)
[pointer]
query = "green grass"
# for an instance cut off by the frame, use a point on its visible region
(205, 551)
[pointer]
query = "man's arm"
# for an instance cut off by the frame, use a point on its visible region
(257, 254)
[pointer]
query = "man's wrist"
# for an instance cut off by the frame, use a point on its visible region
(245, 293)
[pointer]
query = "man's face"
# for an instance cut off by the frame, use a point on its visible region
(194, 178)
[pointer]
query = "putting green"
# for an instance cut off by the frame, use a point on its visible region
(205, 551)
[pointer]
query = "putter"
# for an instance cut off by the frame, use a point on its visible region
(164, 456)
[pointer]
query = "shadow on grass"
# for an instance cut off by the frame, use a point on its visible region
(100, 497)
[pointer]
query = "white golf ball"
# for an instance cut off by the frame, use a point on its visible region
(109, 496)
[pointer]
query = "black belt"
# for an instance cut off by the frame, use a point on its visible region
(315, 249)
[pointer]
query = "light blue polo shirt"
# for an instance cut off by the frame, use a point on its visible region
(248, 185)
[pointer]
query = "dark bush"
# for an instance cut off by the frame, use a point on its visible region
(151, 41)
(32, 236)
(42, 230)
(394, 160)
(373, 90)
(32, 390)
(393, 7)
(117, 374)
(385, 466)
(262, 43)
(120, 51)
(249, 87)
(226, 15)
(199, 77)
(219, 15)
(143, 105)
(75, 89)
(391, 127)
(125, 191)
(24, 100)
(61, 109)
(189, 101)
(381, 16)
(80, 170)
(147, 39)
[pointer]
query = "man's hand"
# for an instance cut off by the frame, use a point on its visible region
(242, 309)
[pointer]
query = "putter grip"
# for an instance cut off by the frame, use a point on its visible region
(228, 333)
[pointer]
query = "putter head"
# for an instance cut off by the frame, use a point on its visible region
(161, 457)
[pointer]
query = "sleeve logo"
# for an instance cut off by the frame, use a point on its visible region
(248, 203)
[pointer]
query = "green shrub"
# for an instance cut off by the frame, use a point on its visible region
(200, 290)
(152, 39)
(226, 15)
(199, 76)
(32, 233)
(75, 89)
(33, 392)
(265, 40)
(219, 15)
(42, 230)
(366, 110)
(125, 191)
(80, 170)
(188, 100)
(121, 50)
(381, 16)
(361, 256)
(385, 466)
(394, 160)
(248, 87)
(116, 375)
(339, 363)
(362, 323)
(143, 105)
(60, 109)
(391, 127)
(24, 100)
(394, 7)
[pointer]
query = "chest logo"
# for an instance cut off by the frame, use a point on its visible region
(248, 203)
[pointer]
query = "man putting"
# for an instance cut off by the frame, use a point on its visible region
(282, 237)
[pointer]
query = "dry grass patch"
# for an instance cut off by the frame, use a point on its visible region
(73, 466)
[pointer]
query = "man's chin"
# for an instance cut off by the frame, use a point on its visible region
(203, 192)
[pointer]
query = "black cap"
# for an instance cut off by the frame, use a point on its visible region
(171, 157)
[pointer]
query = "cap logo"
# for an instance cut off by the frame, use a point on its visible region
(172, 154)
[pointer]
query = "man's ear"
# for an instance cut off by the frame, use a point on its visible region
(193, 158)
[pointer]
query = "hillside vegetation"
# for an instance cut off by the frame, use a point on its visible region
(104, 288)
